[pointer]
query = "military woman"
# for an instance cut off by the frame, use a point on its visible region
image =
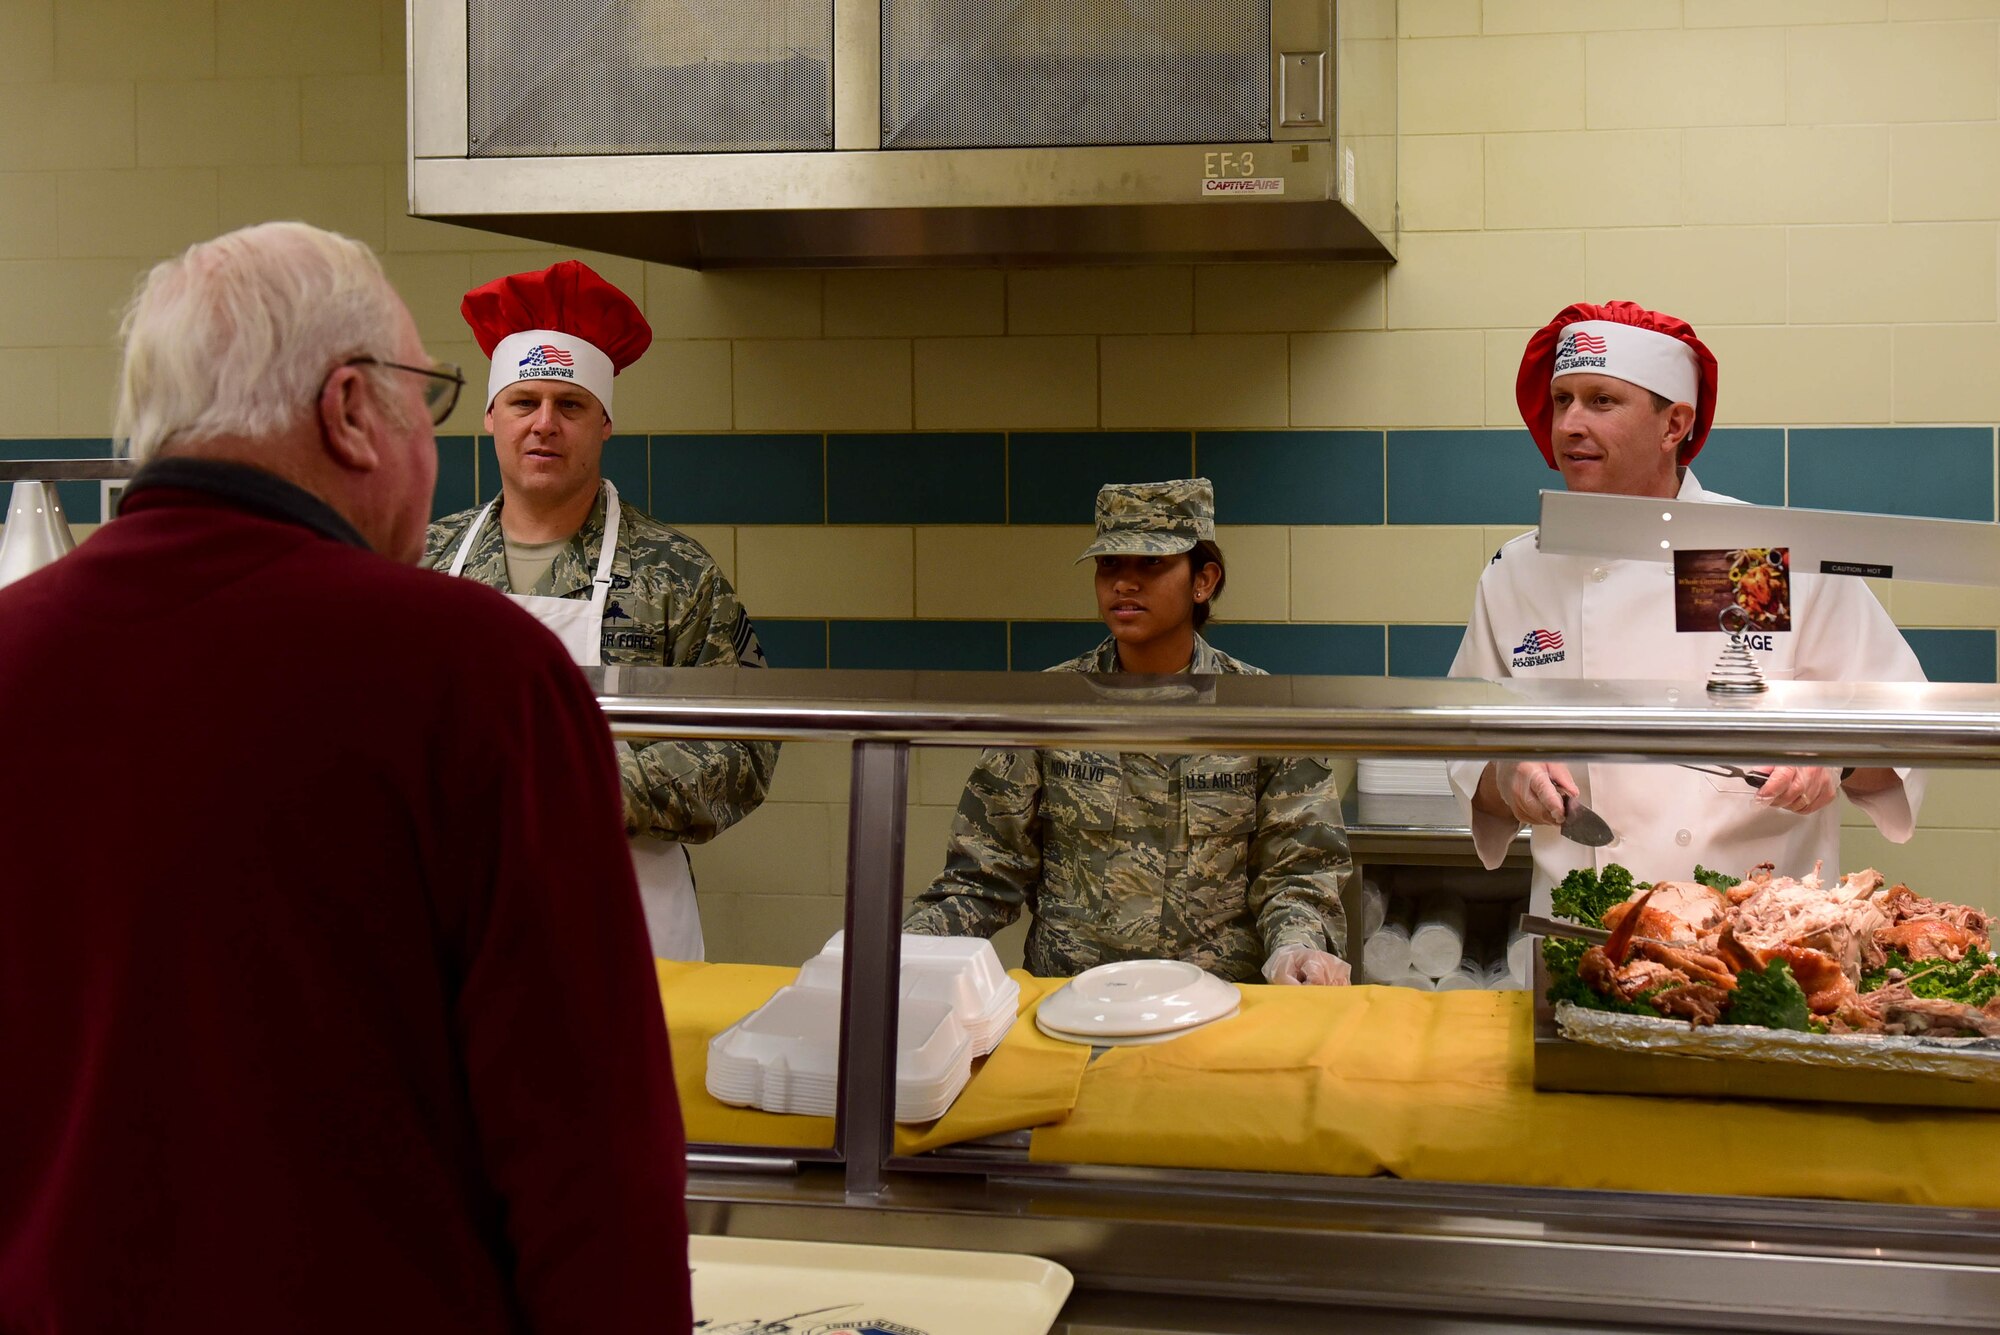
(1231, 862)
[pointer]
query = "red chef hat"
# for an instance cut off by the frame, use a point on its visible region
(562, 323)
(1628, 342)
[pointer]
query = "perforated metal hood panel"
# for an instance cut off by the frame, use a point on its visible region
(565, 77)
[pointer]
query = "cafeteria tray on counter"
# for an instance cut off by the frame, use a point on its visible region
(830, 1288)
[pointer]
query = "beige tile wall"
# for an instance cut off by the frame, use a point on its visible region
(1815, 183)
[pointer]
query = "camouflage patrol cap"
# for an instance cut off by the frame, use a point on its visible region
(1153, 518)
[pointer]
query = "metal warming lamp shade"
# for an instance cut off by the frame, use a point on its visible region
(36, 532)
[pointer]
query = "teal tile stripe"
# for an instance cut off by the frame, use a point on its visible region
(625, 464)
(1035, 645)
(1053, 476)
(1748, 463)
(1293, 477)
(82, 502)
(1471, 476)
(457, 476)
(1298, 649)
(792, 643)
(1423, 651)
(966, 646)
(1745, 462)
(1467, 477)
(924, 478)
(1955, 655)
(487, 478)
(739, 479)
(1942, 472)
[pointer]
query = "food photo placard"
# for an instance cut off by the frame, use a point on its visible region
(1757, 581)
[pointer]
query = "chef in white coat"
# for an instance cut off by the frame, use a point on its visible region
(618, 587)
(1620, 399)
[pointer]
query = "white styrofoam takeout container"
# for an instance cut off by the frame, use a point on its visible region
(963, 971)
(785, 1057)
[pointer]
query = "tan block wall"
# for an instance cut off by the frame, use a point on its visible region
(1814, 183)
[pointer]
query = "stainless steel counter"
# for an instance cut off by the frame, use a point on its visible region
(1268, 1252)
(1181, 1250)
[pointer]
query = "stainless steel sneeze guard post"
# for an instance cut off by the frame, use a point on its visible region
(865, 1128)
(1284, 1252)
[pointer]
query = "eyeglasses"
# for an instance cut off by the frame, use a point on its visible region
(440, 392)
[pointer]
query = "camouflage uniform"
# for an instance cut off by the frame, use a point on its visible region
(1216, 859)
(669, 607)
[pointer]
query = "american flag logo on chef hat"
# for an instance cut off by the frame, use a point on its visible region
(1590, 345)
(547, 354)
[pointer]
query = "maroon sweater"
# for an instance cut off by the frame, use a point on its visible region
(325, 1003)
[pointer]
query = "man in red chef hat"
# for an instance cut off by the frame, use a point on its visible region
(1620, 400)
(616, 586)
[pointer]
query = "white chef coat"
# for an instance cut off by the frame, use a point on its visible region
(1615, 619)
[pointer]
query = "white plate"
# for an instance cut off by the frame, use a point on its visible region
(1138, 997)
(1123, 1040)
(755, 1284)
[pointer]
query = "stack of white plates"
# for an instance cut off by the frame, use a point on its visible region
(1136, 1001)
(1403, 778)
(785, 1057)
(962, 971)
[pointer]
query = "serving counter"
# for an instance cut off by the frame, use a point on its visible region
(1380, 1151)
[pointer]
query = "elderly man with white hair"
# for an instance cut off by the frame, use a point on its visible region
(319, 1009)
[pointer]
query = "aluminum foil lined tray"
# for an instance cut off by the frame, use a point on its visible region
(1967, 1059)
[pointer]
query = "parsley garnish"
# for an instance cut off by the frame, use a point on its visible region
(1585, 895)
(1770, 997)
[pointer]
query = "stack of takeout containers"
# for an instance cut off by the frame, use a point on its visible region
(956, 1004)
(961, 971)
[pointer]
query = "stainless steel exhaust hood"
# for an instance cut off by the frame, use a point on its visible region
(781, 133)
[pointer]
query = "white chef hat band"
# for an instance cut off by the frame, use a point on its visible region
(547, 354)
(1643, 357)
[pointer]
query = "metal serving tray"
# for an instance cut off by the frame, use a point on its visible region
(1585, 1068)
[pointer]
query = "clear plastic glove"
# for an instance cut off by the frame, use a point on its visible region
(1801, 789)
(1303, 964)
(1534, 791)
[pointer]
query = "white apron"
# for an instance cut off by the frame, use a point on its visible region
(666, 881)
(1540, 615)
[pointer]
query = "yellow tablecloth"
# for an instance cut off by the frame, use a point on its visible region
(1440, 1086)
(1363, 1081)
(1029, 1080)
